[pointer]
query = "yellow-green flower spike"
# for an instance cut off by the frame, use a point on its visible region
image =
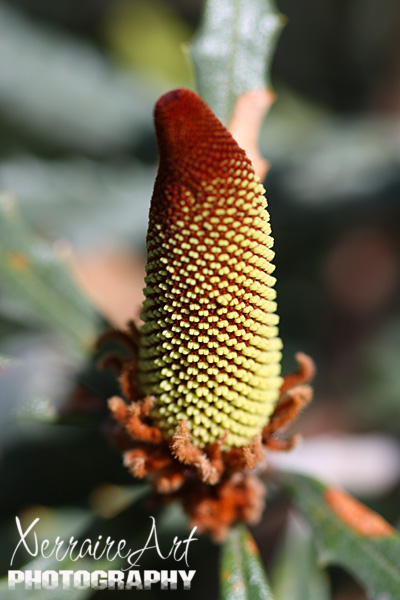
(210, 351)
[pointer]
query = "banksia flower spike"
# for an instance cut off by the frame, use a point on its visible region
(203, 390)
(210, 352)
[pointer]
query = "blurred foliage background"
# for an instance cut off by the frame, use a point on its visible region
(78, 81)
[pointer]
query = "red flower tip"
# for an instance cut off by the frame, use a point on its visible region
(192, 142)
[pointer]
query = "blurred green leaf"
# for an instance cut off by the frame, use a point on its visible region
(36, 275)
(64, 91)
(373, 561)
(20, 593)
(242, 572)
(8, 363)
(149, 37)
(60, 522)
(380, 378)
(233, 51)
(87, 202)
(296, 575)
(63, 523)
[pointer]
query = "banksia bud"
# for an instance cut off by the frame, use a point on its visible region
(209, 352)
(203, 396)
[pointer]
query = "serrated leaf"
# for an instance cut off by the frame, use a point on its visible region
(242, 573)
(373, 560)
(38, 278)
(296, 575)
(233, 51)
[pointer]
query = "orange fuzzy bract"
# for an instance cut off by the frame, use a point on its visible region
(356, 515)
(209, 351)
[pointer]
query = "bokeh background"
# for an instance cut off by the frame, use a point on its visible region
(77, 84)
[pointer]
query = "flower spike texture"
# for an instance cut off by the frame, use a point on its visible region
(209, 350)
